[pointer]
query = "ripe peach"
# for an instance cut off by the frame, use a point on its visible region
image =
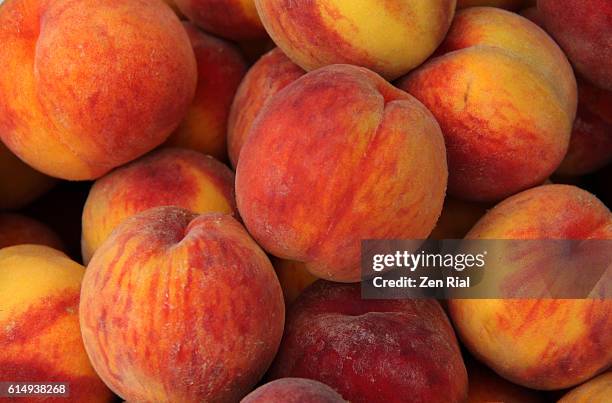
(167, 177)
(372, 350)
(457, 218)
(87, 85)
(390, 38)
(40, 338)
(555, 343)
(597, 389)
(273, 72)
(232, 19)
(19, 183)
(220, 70)
(505, 97)
(293, 276)
(339, 156)
(293, 390)
(583, 29)
(200, 288)
(17, 229)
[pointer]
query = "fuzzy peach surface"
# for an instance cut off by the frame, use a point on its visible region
(40, 337)
(597, 389)
(505, 97)
(17, 229)
(200, 290)
(541, 343)
(87, 86)
(167, 177)
(388, 37)
(338, 156)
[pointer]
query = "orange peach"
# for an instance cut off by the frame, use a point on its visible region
(17, 229)
(338, 156)
(388, 37)
(87, 85)
(293, 276)
(40, 338)
(507, 4)
(273, 72)
(505, 97)
(19, 183)
(167, 177)
(181, 308)
(457, 218)
(540, 343)
(583, 29)
(597, 389)
(220, 70)
(231, 19)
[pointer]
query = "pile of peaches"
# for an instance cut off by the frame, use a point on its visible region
(185, 184)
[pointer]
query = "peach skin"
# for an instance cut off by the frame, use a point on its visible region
(231, 19)
(540, 343)
(505, 97)
(273, 72)
(583, 29)
(198, 287)
(167, 177)
(388, 37)
(40, 338)
(293, 390)
(19, 183)
(17, 229)
(294, 277)
(597, 389)
(87, 86)
(507, 4)
(220, 70)
(338, 156)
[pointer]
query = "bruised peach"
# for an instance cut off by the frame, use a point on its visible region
(87, 85)
(17, 229)
(505, 97)
(388, 37)
(583, 29)
(540, 343)
(167, 177)
(273, 72)
(40, 338)
(293, 390)
(182, 308)
(220, 70)
(19, 183)
(372, 350)
(293, 277)
(597, 389)
(339, 156)
(232, 19)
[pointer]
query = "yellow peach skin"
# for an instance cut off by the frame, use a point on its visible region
(40, 337)
(87, 86)
(293, 277)
(540, 343)
(17, 229)
(597, 389)
(388, 37)
(220, 70)
(167, 177)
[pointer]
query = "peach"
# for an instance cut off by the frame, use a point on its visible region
(200, 289)
(87, 85)
(273, 72)
(505, 97)
(167, 177)
(220, 70)
(293, 390)
(485, 386)
(294, 277)
(540, 343)
(389, 37)
(231, 19)
(597, 389)
(372, 350)
(339, 156)
(457, 218)
(19, 183)
(507, 4)
(40, 338)
(17, 229)
(583, 29)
